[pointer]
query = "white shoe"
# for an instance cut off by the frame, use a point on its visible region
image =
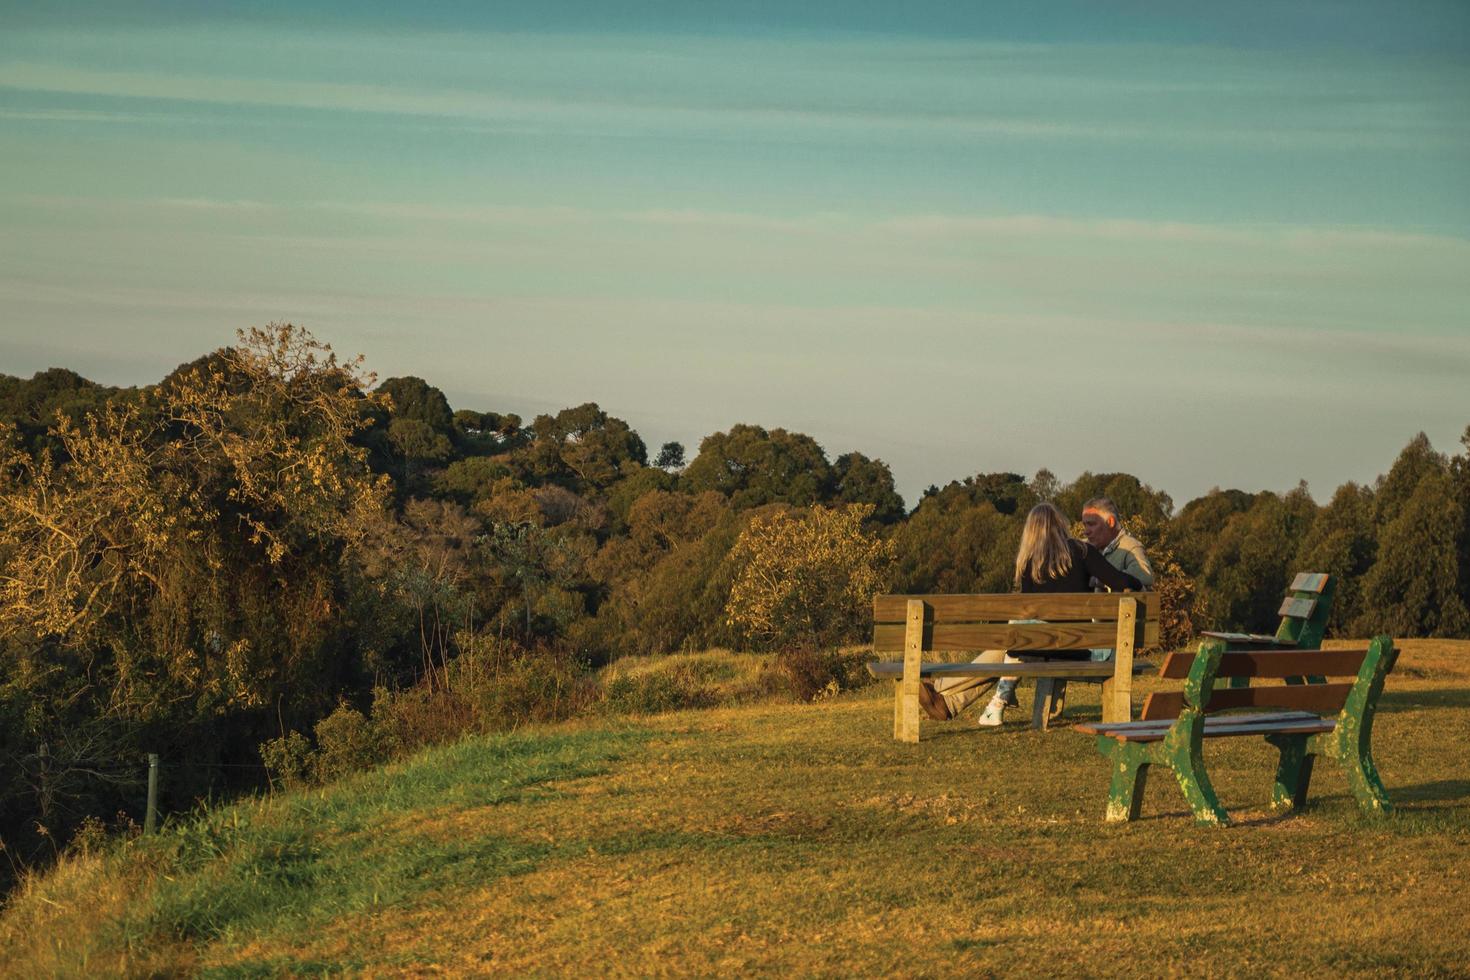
(992, 717)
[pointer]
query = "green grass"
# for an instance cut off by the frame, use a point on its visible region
(792, 838)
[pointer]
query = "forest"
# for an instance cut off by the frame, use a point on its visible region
(271, 566)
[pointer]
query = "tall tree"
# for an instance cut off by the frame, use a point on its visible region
(860, 480)
(1342, 543)
(584, 448)
(753, 467)
(1413, 589)
(1247, 568)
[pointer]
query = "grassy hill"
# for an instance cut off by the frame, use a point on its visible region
(791, 838)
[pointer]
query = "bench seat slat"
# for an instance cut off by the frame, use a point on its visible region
(1251, 639)
(1218, 721)
(1218, 727)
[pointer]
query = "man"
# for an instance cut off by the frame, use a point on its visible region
(1104, 530)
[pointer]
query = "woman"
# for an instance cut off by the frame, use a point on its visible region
(1049, 560)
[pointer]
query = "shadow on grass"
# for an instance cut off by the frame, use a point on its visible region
(1438, 791)
(1393, 702)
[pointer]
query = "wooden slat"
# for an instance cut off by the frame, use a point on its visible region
(1213, 722)
(1248, 639)
(889, 638)
(1051, 668)
(1272, 663)
(1321, 698)
(1297, 608)
(1059, 607)
(1303, 726)
(1309, 582)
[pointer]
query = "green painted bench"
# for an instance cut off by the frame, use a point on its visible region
(1334, 720)
(916, 625)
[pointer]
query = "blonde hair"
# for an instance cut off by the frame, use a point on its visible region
(1046, 551)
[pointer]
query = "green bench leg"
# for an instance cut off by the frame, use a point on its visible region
(1353, 749)
(1181, 749)
(1351, 743)
(1130, 776)
(1293, 772)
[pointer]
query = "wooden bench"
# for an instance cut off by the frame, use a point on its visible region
(1333, 720)
(916, 625)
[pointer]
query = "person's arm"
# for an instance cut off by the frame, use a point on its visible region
(1141, 569)
(1101, 569)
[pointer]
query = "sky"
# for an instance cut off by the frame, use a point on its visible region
(1206, 244)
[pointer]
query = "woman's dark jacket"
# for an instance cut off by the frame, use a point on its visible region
(1087, 563)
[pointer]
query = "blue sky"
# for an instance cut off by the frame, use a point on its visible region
(1227, 246)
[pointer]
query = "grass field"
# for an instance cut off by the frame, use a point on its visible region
(793, 838)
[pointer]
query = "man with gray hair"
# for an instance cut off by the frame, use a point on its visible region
(1104, 530)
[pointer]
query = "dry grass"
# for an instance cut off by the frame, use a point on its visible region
(801, 838)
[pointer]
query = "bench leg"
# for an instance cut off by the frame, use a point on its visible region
(1354, 750)
(898, 709)
(1181, 748)
(1110, 702)
(1293, 772)
(907, 710)
(1130, 775)
(1041, 704)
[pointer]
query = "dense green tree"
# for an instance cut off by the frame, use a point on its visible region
(1249, 565)
(31, 406)
(670, 456)
(415, 398)
(1460, 473)
(1131, 495)
(626, 492)
(1197, 527)
(1413, 588)
(1341, 542)
(471, 479)
(953, 543)
(860, 480)
(754, 467)
(584, 448)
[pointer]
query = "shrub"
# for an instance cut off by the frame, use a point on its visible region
(287, 759)
(809, 675)
(806, 578)
(346, 742)
(655, 691)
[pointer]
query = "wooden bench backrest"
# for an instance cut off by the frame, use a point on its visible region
(1305, 610)
(1074, 621)
(1323, 698)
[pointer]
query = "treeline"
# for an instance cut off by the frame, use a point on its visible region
(269, 548)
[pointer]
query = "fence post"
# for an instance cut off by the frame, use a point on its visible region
(150, 819)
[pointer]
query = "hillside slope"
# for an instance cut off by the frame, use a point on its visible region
(791, 838)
